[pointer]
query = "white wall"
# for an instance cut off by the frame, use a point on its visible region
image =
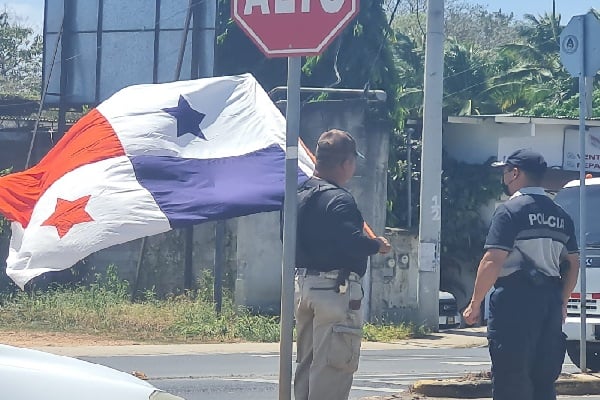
(472, 143)
(475, 139)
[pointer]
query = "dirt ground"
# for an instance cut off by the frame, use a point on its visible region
(56, 339)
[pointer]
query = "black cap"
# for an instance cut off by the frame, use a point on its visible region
(525, 159)
(336, 143)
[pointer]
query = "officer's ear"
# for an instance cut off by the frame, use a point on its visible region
(516, 172)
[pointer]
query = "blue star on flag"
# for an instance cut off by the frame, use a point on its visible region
(188, 119)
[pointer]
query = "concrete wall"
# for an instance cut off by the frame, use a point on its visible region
(475, 139)
(162, 266)
(259, 257)
(394, 278)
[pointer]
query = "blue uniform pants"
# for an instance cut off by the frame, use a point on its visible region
(526, 342)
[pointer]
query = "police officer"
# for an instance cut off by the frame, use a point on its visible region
(332, 254)
(529, 237)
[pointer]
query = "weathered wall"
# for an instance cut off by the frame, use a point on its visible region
(259, 257)
(394, 278)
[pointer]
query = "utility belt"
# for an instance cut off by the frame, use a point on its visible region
(340, 276)
(532, 276)
(333, 274)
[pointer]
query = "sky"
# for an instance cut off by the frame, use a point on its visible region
(32, 11)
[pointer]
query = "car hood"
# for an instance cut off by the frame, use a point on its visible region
(29, 374)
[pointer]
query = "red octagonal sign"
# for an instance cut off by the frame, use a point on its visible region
(289, 28)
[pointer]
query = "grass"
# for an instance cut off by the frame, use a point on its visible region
(104, 309)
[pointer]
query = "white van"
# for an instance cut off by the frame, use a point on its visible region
(568, 198)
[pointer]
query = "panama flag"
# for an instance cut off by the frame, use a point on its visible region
(150, 158)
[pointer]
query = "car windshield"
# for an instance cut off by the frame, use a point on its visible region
(568, 198)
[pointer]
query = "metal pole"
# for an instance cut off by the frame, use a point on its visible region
(292, 116)
(196, 42)
(409, 133)
(188, 254)
(138, 269)
(582, 204)
(182, 45)
(65, 65)
(43, 97)
(431, 169)
(219, 265)
(207, 26)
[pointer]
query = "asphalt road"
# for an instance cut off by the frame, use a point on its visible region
(255, 376)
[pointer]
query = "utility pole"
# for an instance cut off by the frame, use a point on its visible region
(431, 169)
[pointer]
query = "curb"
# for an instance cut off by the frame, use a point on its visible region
(567, 384)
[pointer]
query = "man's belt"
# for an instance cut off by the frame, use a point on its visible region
(333, 274)
(537, 278)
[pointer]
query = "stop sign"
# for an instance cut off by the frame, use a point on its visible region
(289, 28)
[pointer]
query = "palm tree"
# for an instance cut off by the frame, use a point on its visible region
(530, 72)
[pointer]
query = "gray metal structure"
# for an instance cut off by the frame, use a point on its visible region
(110, 44)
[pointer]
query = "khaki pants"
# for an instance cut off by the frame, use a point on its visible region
(328, 338)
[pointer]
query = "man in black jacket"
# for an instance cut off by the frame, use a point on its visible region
(332, 255)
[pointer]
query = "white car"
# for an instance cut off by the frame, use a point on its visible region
(27, 374)
(568, 198)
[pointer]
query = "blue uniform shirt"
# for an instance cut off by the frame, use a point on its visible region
(537, 226)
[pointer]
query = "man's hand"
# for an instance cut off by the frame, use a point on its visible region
(564, 312)
(384, 245)
(472, 313)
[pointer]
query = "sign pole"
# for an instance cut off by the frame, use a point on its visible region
(582, 224)
(581, 57)
(582, 201)
(292, 116)
(278, 30)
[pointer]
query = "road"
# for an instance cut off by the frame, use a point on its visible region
(255, 375)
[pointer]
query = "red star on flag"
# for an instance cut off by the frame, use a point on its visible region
(67, 214)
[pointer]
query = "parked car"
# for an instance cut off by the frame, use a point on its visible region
(449, 315)
(29, 374)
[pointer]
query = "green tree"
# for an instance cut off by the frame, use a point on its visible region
(20, 58)
(471, 25)
(530, 72)
(547, 89)
(360, 57)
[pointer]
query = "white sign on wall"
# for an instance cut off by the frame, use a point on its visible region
(571, 157)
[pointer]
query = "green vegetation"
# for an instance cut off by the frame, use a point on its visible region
(104, 309)
(20, 60)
